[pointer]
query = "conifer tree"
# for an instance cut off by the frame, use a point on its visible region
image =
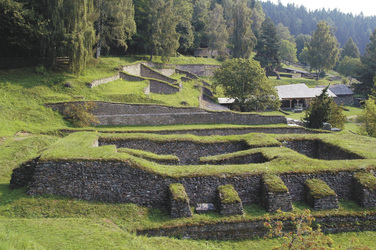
(318, 111)
(199, 20)
(350, 49)
(323, 49)
(216, 29)
(242, 38)
(267, 47)
(184, 13)
(162, 21)
(368, 71)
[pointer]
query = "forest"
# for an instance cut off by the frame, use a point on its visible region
(78, 31)
(299, 20)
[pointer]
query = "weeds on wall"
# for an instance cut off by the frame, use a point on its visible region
(79, 114)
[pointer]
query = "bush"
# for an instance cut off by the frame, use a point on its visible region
(79, 114)
(323, 109)
(368, 118)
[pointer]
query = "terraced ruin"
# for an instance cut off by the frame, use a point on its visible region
(223, 162)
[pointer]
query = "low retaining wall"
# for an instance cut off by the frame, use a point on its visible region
(150, 73)
(159, 87)
(187, 152)
(198, 69)
(189, 118)
(140, 114)
(123, 182)
(256, 228)
(104, 80)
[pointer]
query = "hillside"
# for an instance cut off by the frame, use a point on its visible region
(30, 130)
(299, 20)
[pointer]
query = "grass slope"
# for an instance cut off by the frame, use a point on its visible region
(49, 222)
(25, 91)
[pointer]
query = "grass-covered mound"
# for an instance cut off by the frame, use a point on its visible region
(280, 159)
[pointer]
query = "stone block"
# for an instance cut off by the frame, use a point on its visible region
(364, 189)
(178, 201)
(228, 201)
(319, 195)
(274, 194)
(203, 208)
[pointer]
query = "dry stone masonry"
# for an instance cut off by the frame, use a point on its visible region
(319, 195)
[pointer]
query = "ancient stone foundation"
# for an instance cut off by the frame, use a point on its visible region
(229, 202)
(364, 189)
(320, 196)
(273, 198)
(178, 201)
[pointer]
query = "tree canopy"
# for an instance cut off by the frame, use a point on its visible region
(368, 70)
(323, 49)
(267, 47)
(350, 49)
(245, 81)
(323, 109)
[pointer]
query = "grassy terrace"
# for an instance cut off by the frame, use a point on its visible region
(56, 222)
(51, 222)
(281, 160)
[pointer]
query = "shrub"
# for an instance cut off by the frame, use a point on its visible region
(79, 113)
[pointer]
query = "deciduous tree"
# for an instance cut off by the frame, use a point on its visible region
(349, 67)
(287, 51)
(368, 118)
(245, 81)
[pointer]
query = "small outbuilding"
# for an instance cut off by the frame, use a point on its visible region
(298, 95)
(345, 96)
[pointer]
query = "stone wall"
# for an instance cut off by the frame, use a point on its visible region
(160, 87)
(121, 182)
(143, 114)
(186, 73)
(196, 69)
(199, 69)
(188, 118)
(104, 80)
(319, 150)
(166, 71)
(249, 229)
(344, 100)
(133, 69)
(232, 131)
(340, 182)
(188, 152)
(150, 73)
(131, 78)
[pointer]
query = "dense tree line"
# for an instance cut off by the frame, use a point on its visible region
(83, 29)
(299, 20)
